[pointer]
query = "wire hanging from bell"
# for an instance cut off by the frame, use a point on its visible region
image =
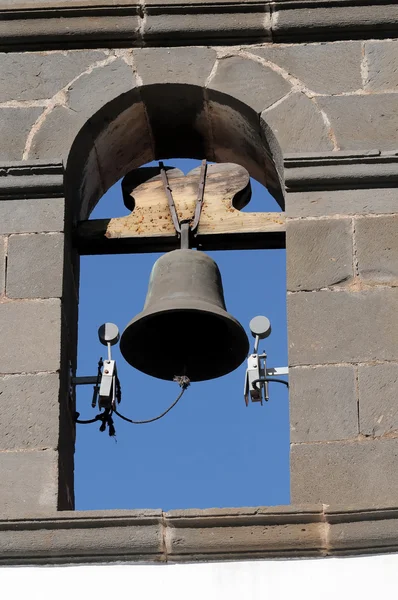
(106, 415)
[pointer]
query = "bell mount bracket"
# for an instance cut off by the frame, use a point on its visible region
(187, 228)
(209, 197)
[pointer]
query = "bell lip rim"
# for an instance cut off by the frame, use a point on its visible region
(221, 313)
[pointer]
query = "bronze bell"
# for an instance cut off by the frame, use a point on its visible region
(184, 328)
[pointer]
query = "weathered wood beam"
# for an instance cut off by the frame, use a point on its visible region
(91, 238)
(149, 227)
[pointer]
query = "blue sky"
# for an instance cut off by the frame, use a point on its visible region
(210, 450)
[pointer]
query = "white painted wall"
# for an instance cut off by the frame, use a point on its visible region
(316, 579)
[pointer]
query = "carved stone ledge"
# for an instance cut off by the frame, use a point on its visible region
(319, 20)
(356, 531)
(198, 535)
(303, 172)
(244, 533)
(36, 179)
(41, 24)
(341, 170)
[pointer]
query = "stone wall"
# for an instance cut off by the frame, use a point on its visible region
(73, 121)
(343, 339)
(37, 342)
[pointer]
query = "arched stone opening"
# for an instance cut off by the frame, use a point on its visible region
(164, 121)
(208, 409)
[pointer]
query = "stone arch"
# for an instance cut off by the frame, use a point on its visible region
(166, 121)
(125, 110)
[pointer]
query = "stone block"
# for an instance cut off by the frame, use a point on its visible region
(319, 253)
(204, 28)
(38, 75)
(127, 140)
(234, 135)
(250, 82)
(176, 115)
(372, 532)
(82, 535)
(67, 434)
(29, 482)
(259, 539)
(93, 90)
(28, 216)
(70, 296)
(318, 66)
(30, 336)
(95, 539)
(35, 265)
(298, 23)
(174, 65)
(345, 473)
(87, 95)
(66, 488)
(363, 122)
(56, 135)
(323, 404)
(15, 125)
(306, 132)
(377, 249)
(341, 202)
(270, 515)
(29, 411)
(378, 392)
(2, 265)
(342, 326)
(382, 64)
(69, 332)
(83, 166)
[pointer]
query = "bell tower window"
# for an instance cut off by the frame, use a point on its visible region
(211, 448)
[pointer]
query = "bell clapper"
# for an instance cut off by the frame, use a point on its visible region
(258, 376)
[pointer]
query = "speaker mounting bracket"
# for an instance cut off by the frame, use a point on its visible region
(258, 376)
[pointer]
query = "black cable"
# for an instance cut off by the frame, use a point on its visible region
(106, 416)
(87, 421)
(286, 383)
(106, 421)
(180, 395)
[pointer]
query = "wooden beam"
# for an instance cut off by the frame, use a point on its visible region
(149, 227)
(91, 238)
